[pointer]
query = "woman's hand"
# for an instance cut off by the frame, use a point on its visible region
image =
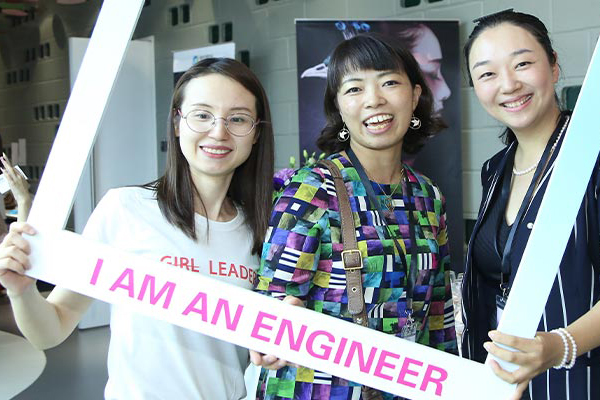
(14, 259)
(270, 361)
(533, 356)
(19, 186)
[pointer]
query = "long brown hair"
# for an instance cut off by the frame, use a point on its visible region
(252, 183)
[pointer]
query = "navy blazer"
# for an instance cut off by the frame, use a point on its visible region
(576, 288)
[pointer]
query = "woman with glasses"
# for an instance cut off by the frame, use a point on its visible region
(377, 105)
(211, 204)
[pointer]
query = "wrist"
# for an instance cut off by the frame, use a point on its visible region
(24, 292)
(568, 350)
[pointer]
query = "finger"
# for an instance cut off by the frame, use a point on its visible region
(500, 372)
(256, 357)
(21, 227)
(511, 341)
(271, 361)
(521, 387)
(5, 157)
(515, 357)
(8, 169)
(14, 239)
(10, 265)
(293, 300)
(278, 364)
(16, 254)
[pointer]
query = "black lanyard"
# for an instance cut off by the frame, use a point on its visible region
(506, 267)
(411, 274)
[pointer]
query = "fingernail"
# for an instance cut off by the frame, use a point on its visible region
(487, 346)
(492, 334)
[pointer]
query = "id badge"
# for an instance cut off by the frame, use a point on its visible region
(500, 304)
(409, 330)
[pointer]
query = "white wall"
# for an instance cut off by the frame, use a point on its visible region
(268, 32)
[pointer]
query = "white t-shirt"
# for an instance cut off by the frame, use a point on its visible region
(152, 359)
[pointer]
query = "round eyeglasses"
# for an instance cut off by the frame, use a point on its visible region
(203, 121)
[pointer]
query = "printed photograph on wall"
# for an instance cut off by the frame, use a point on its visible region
(435, 46)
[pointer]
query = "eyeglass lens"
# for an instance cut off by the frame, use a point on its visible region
(203, 121)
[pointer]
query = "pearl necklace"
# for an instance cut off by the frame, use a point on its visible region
(534, 166)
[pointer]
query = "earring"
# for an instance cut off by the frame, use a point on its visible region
(415, 123)
(343, 134)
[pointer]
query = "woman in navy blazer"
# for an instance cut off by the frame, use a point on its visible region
(513, 69)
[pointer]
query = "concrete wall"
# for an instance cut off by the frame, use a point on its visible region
(267, 32)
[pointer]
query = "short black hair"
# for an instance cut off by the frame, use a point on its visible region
(379, 53)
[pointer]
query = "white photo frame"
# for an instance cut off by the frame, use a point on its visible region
(259, 322)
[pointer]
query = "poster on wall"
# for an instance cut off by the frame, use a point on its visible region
(183, 60)
(435, 45)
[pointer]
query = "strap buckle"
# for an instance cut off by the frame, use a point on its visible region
(352, 260)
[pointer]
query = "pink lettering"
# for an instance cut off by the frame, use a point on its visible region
(340, 351)
(364, 367)
(210, 268)
(442, 375)
(127, 274)
(243, 272)
(382, 364)
(192, 306)
(326, 349)
(224, 305)
(287, 325)
(405, 370)
(195, 267)
(259, 324)
(184, 263)
(96, 271)
(166, 259)
(222, 268)
(233, 271)
(167, 288)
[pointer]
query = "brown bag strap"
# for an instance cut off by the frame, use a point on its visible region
(351, 256)
(352, 261)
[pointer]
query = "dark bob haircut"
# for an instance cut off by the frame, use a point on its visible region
(528, 22)
(251, 187)
(379, 53)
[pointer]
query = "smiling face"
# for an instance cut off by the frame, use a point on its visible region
(376, 106)
(513, 78)
(428, 53)
(215, 153)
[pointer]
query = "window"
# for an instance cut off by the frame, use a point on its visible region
(227, 32)
(185, 13)
(174, 16)
(213, 34)
(245, 57)
(409, 3)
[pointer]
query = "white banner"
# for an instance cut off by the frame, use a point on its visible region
(258, 322)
